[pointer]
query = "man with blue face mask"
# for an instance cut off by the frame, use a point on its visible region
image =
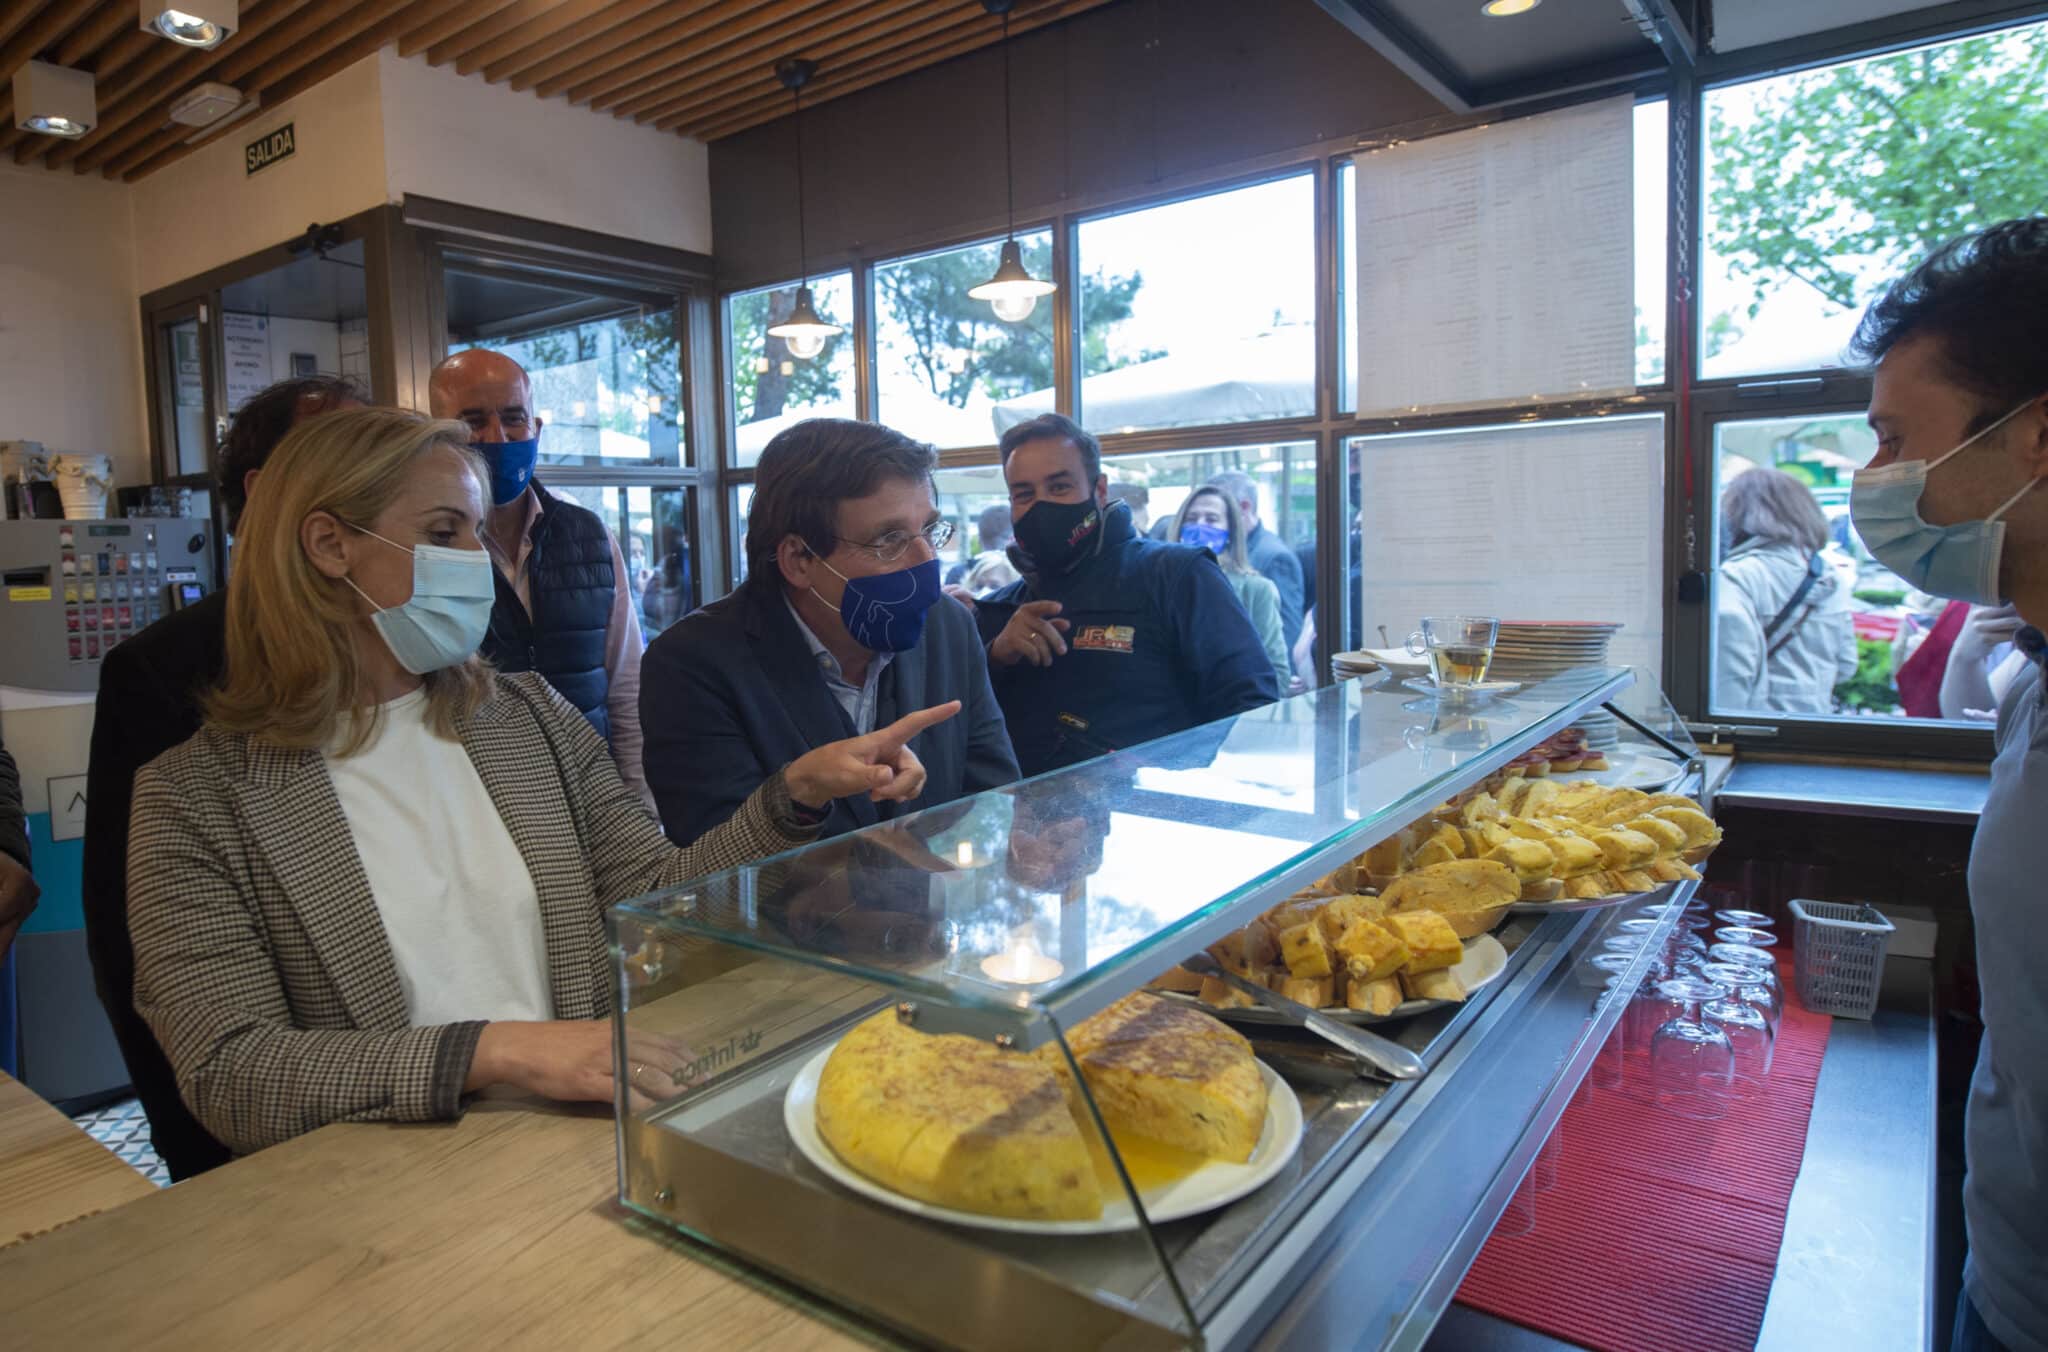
(1959, 401)
(840, 627)
(564, 604)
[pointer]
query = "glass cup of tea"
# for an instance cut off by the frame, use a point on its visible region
(1459, 648)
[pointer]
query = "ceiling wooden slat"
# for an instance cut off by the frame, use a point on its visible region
(676, 18)
(253, 70)
(686, 67)
(760, 50)
(371, 26)
(12, 17)
(145, 101)
(680, 19)
(476, 35)
(48, 26)
(728, 80)
(851, 49)
(422, 35)
(829, 86)
(747, 18)
(597, 34)
(112, 20)
(518, 37)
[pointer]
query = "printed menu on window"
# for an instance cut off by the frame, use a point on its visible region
(1496, 266)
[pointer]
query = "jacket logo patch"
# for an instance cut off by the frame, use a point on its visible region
(1106, 638)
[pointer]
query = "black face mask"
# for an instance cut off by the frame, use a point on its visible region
(1055, 534)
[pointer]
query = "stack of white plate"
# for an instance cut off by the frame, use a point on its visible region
(1345, 666)
(1535, 650)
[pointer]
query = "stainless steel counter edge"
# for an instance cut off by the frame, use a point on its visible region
(1342, 1245)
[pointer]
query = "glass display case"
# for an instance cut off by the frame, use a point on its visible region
(998, 927)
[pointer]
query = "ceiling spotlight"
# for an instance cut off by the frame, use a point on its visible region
(194, 23)
(54, 100)
(1501, 9)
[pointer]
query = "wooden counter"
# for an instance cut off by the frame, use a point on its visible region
(51, 1171)
(499, 1229)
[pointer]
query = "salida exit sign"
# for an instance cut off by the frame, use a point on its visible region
(267, 150)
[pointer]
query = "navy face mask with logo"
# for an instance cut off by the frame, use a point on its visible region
(511, 464)
(885, 612)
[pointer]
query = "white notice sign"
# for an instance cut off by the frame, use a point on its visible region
(246, 339)
(1496, 266)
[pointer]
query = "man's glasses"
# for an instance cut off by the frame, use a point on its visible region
(892, 546)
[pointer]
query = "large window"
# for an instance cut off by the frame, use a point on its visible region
(1822, 185)
(773, 388)
(606, 367)
(652, 528)
(946, 366)
(1850, 645)
(1200, 311)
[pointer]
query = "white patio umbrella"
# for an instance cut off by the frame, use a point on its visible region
(1242, 380)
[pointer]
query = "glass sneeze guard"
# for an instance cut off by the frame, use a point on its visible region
(1060, 894)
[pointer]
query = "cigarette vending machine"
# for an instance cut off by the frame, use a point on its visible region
(74, 589)
(70, 593)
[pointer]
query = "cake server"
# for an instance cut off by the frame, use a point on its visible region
(1384, 1054)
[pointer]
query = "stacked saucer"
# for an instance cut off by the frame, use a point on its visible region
(1536, 650)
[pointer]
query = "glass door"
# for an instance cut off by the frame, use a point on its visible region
(186, 403)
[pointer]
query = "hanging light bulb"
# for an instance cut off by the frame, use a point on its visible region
(804, 332)
(1013, 292)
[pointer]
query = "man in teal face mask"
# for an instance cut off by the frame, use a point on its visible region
(1959, 400)
(564, 604)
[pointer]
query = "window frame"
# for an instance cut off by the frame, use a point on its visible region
(1690, 405)
(433, 234)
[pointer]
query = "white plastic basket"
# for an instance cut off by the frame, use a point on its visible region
(1838, 956)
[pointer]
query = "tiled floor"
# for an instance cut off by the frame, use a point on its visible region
(122, 1128)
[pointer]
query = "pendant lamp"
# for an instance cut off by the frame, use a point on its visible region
(1013, 292)
(803, 331)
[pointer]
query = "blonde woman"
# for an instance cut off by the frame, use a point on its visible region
(1210, 518)
(372, 883)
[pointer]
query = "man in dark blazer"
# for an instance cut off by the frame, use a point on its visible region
(839, 628)
(150, 688)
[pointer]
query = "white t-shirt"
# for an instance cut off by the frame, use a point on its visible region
(458, 905)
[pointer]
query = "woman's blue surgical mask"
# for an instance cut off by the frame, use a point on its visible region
(450, 610)
(1959, 561)
(1211, 537)
(511, 464)
(885, 612)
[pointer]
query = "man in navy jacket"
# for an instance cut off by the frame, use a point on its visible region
(840, 628)
(1110, 639)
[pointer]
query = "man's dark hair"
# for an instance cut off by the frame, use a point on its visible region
(808, 470)
(262, 422)
(992, 527)
(1053, 427)
(1984, 298)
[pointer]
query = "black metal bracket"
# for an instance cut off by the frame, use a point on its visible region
(795, 72)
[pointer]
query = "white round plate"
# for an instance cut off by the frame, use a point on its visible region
(1422, 685)
(1661, 890)
(1628, 769)
(1482, 965)
(1399, 661)
(1215, 1184)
